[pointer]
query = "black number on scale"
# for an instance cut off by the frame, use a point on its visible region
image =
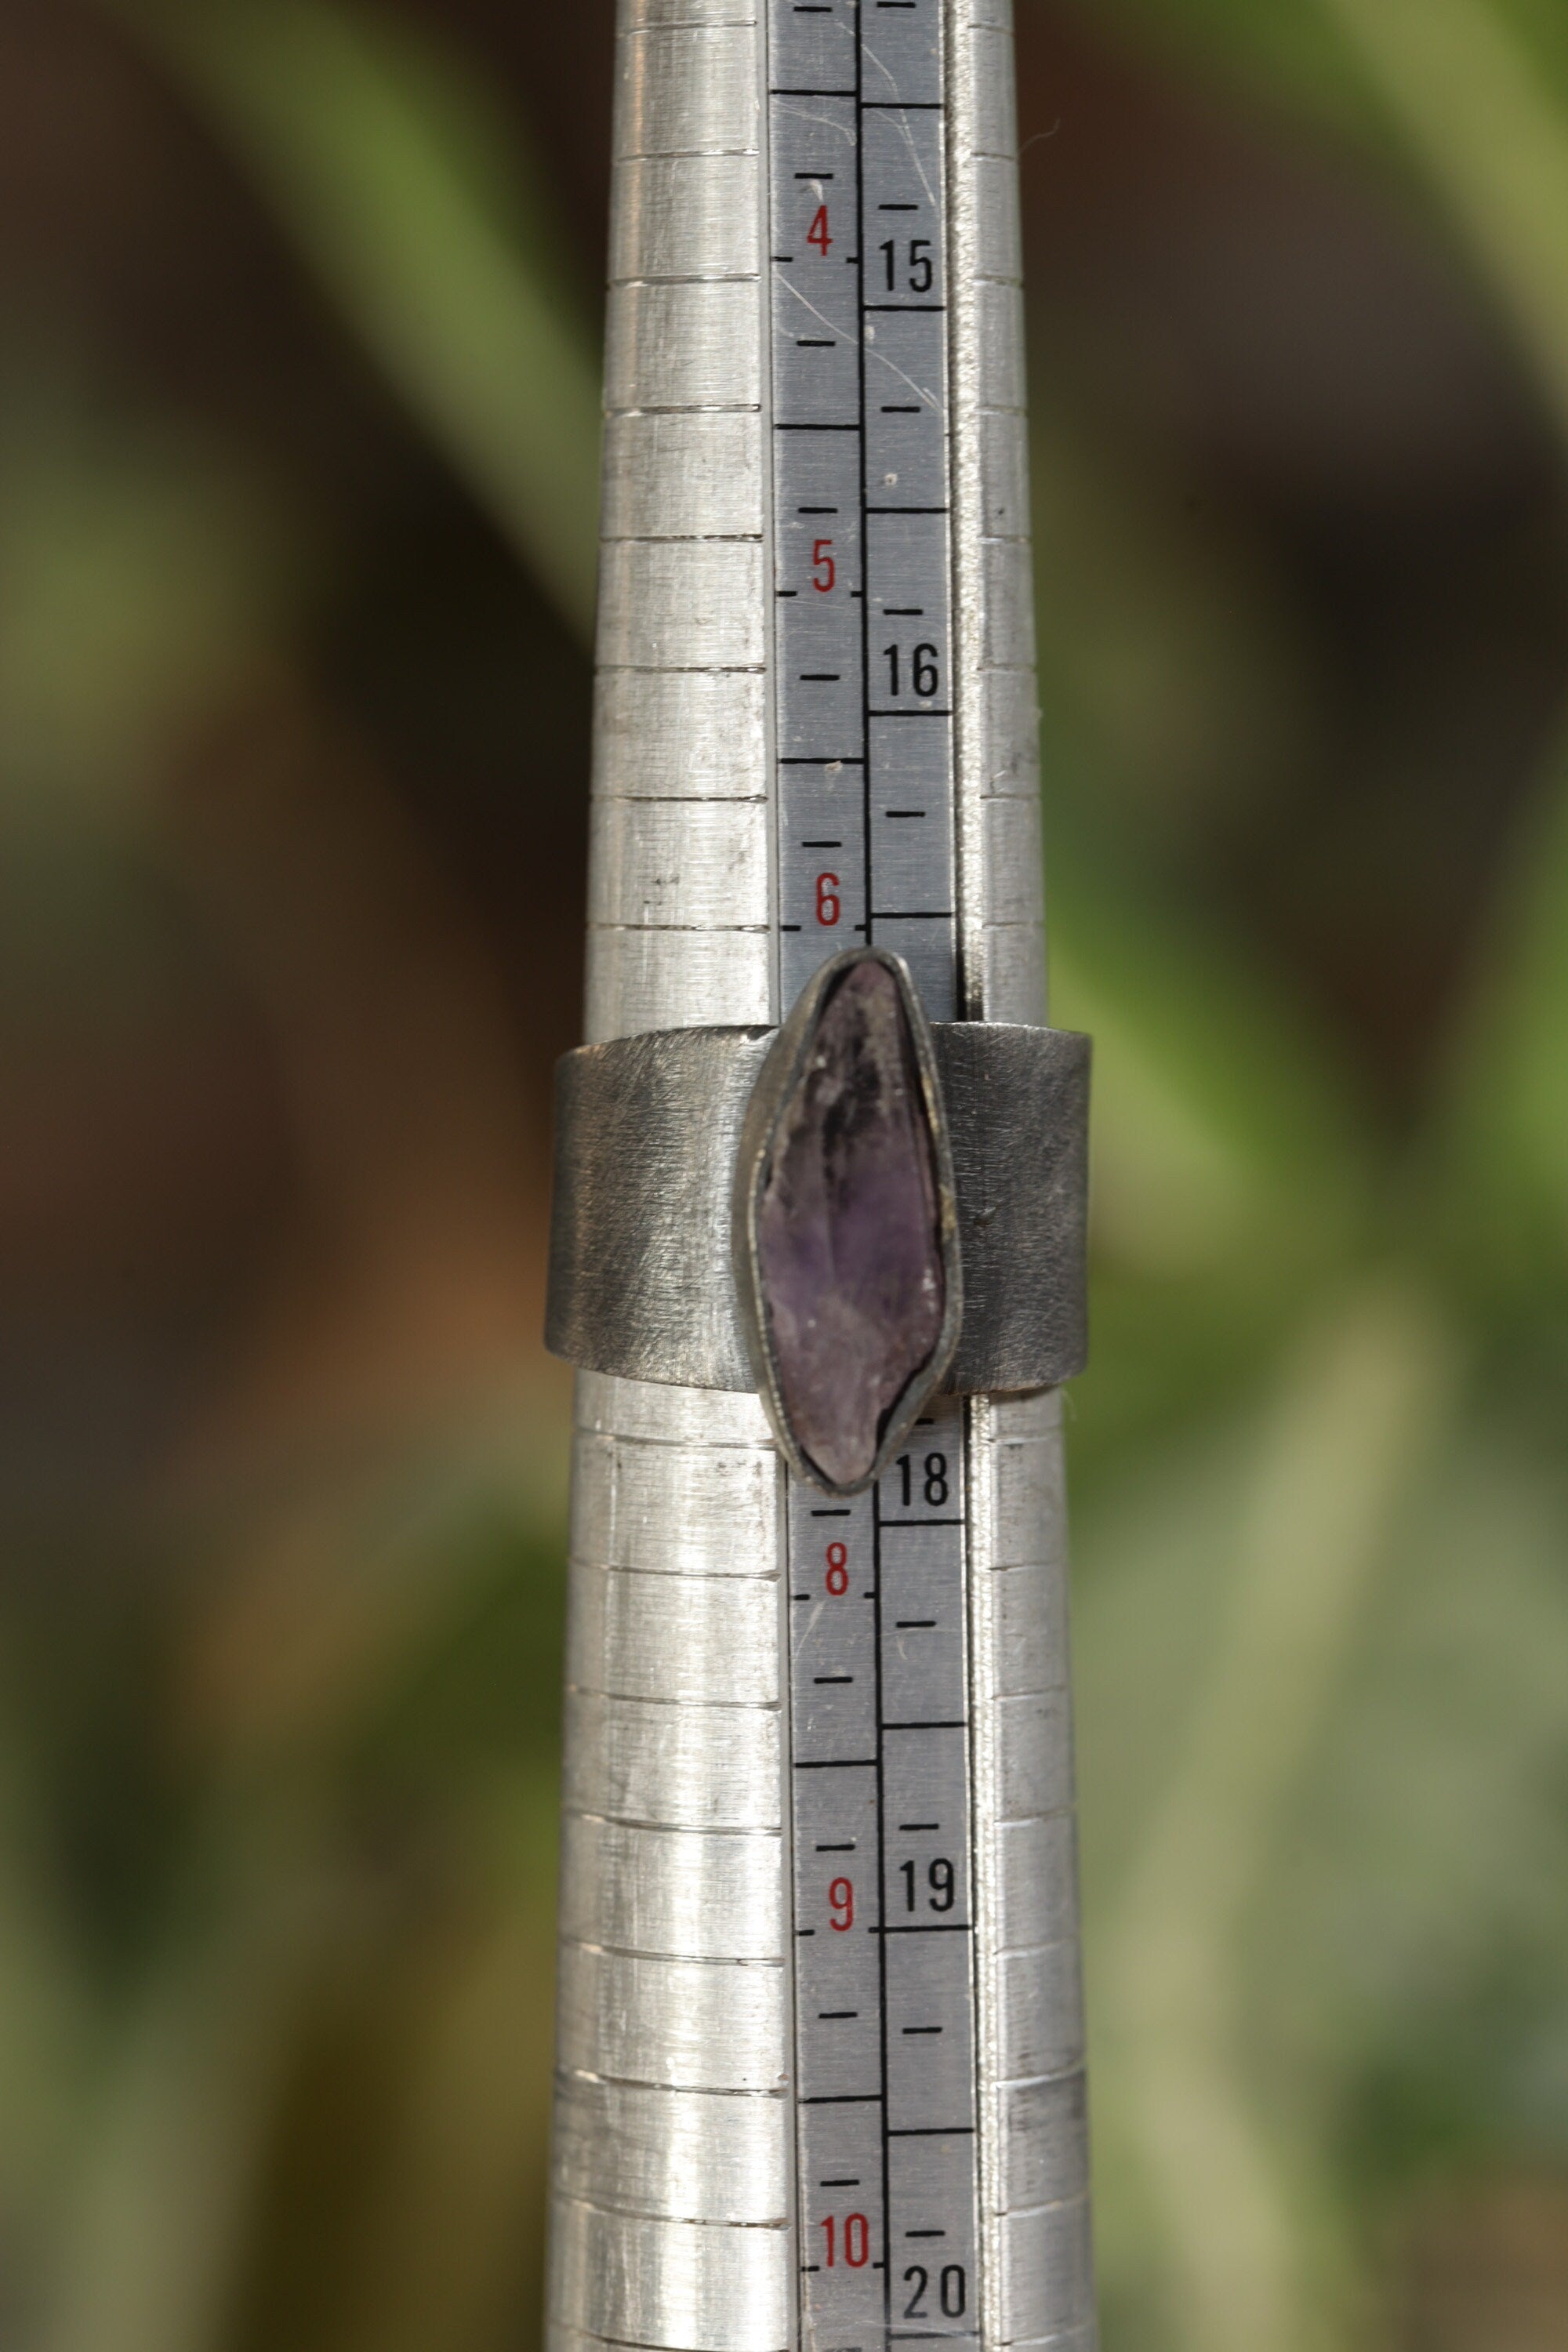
(952, 2289)
(926, 675)
(921, 277)
(941, 1878)
(936, 1488)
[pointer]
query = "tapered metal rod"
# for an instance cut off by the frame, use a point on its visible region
(677, 2217)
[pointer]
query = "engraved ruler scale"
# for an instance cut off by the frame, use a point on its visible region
(820, 2046)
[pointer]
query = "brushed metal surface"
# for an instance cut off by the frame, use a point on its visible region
(687, 90)
(1075, 2339)
(1039, 2013)
(691, 1639)
(677, 2155)
(693, 603)
(667, 474)
(681, 2286)
(1034, 2145)
(678, 1894)
(694, 345)
(692, 1766)
(684, 1509)
(650, 1130)
(696, 2025)
(681, 216)
(1000, 911)
(1045, 2273)
(671, 868)
(663, 978)
(674, 1986)
(636, 14)
(1042, 2134)
(694, 735)
(675, 1974)
(675, 1416)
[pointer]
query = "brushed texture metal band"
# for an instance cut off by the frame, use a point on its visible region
(648, 1131)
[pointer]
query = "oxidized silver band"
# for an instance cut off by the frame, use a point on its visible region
(647, 1136)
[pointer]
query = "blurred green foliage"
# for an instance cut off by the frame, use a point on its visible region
(277, 1780)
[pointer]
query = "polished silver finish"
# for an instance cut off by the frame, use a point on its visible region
(1035, 2253)
(1034, 2160)
(672, 2193)
(662, 1141)
(675, 2222)
(1001, 916)
(679, 926)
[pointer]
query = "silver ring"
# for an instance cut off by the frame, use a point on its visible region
(662, 1142)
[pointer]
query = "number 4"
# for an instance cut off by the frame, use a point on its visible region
(817, 233)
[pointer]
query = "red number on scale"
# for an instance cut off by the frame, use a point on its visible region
(857, 2241)
(817, 233)
(841, 1903)
(837, 1571)
(827, 900)
(822, 562)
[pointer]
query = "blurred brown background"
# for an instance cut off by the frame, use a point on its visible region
(298, 316)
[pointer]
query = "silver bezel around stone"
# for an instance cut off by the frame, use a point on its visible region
(778, 1081)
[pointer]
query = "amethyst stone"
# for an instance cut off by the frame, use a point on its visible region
(848, 1233)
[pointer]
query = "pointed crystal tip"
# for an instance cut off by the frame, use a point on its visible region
(847, 1231)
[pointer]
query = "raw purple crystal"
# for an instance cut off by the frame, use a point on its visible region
(849, 1238)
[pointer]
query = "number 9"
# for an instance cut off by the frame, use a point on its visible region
(841, 1900)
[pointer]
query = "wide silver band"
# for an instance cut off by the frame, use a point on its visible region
(648, 1134)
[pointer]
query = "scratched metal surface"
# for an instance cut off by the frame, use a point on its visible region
(673, 2162)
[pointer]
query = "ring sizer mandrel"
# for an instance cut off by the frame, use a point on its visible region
(818, 1239)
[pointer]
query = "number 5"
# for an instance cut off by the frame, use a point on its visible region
(822, 560)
